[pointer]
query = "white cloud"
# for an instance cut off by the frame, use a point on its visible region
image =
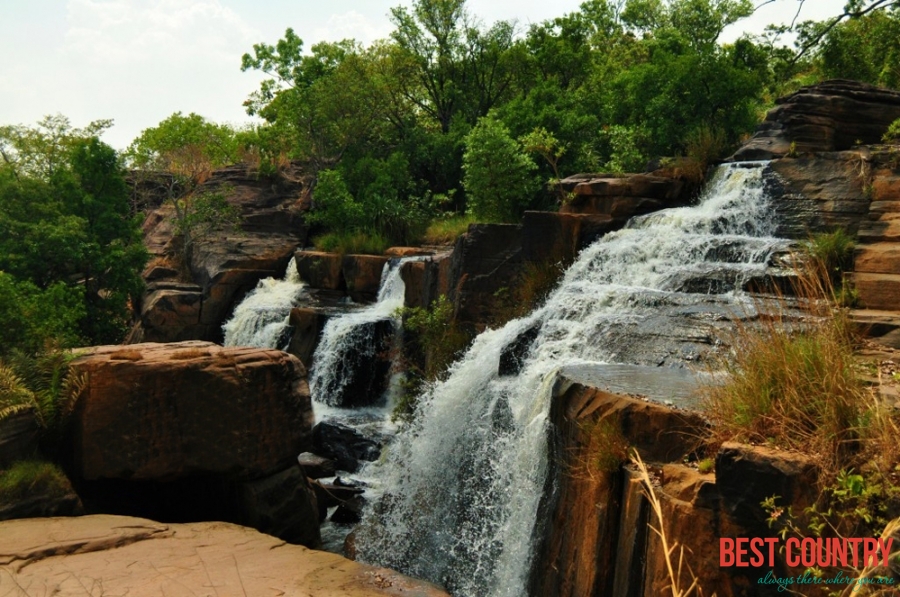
(351, 25)
(119, 32)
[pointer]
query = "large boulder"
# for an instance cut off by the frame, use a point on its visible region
(114, 555)
(830, 116)
(559, 237)
(164, 411)
(363, 275)
(193, 431)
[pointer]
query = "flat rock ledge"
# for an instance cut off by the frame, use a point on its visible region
(119, 555)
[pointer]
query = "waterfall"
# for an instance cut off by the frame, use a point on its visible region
(352, 340)
(261, 319)
(461, 487)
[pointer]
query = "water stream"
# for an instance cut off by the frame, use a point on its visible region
(462, 485)
(261, 319)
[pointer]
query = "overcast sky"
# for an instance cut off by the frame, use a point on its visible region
(138, 61)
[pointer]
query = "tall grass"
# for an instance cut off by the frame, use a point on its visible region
(352, 243)
(444, 231)
(793, 381)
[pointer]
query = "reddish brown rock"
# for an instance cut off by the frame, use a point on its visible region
(558, 237)
(164, 411)
(116, 555)
(222, 267)
(407, 252)
(363, 275)
(878, 291)
(623, 196)
(818, 193)
(426, 280)
(830, 116)
(320, 270)
(486, 260)
(879, 258)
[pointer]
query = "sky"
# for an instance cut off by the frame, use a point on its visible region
(139, 61)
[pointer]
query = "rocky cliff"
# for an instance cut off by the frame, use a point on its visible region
(190, 301)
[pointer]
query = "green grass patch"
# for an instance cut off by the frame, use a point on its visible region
(32, 477)
(444, 231)
(354, 243)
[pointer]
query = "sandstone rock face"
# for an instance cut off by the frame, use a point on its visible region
(307, 324)
(558, 237)
(320, 270)
(485, 259)
(363, 275)
(595, 536)
(620, 197)
(831, 116)
(426, 280)
(115, 555)
(224, 267)
(818, 193)
(164, 411)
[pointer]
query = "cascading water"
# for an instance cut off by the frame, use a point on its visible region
(350, 341)
(261, 319)
(461, 488)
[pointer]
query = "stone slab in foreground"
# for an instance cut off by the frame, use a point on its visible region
(118, 555)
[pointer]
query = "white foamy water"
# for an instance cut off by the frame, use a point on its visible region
(349, 339)
(261, 319)
(462, 486)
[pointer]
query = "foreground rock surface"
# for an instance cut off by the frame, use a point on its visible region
(114, 555)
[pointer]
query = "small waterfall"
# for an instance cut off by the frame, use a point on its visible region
(462, 486)
(261, 319)
(353, 340)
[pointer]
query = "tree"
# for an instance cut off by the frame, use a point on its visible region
(65, 219)
(499, 177)
(188, 149)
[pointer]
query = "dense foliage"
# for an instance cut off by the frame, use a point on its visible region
(613, 85)
(70, 249)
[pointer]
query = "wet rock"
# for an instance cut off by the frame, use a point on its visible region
(116, 555)
(558, 237)
(306, 330)
(486, 260)
(512, 357)
(361, 375)
(830, 116)
(349, 512)
(344, 445)
(817, 193)
(316, 466)
(283, 505)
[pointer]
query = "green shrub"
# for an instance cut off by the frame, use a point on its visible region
(499, 176)
(892, 135)
(32, 477)
(352, 243)
(42, 383)
(435, 337)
